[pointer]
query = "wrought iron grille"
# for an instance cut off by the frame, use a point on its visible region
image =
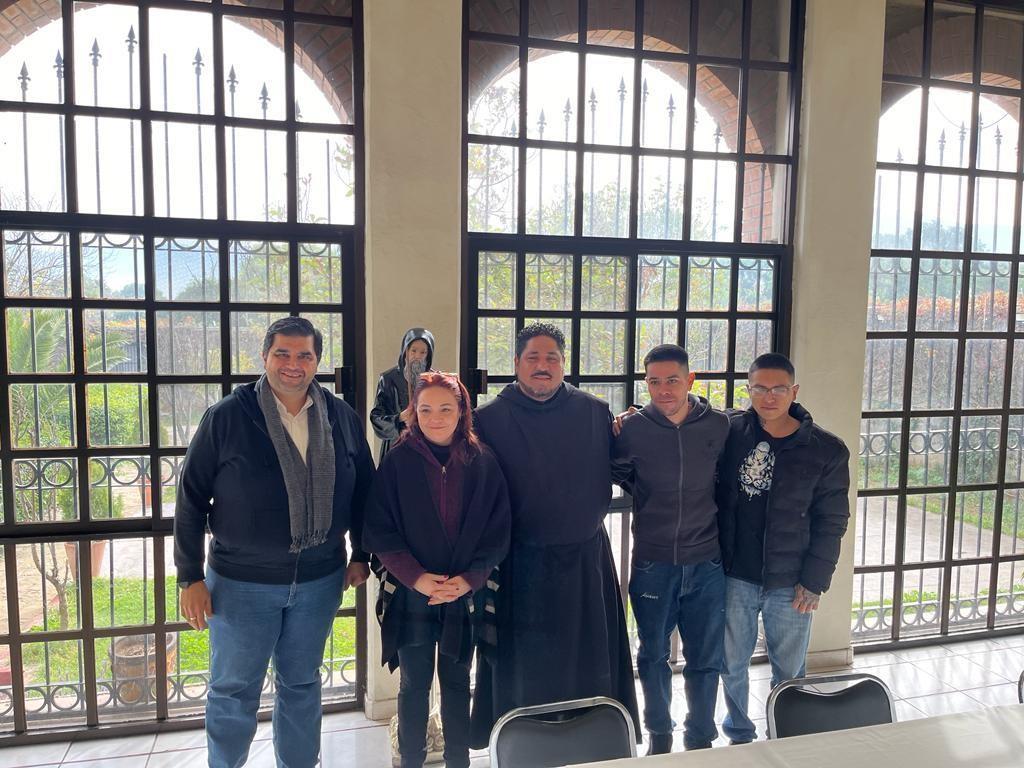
(940, 530)
(628, 171)
(163, 197)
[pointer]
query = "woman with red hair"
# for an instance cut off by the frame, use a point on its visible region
(439, 523)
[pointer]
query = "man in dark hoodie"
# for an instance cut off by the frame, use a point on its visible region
(783, 499)
(665, 456)
(395, 384)
(561, 630)
(279, 470)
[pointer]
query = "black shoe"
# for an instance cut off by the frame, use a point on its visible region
(702, 746)
(733, 742)
(661, 744)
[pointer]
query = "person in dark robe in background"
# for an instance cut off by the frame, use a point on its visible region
(394, 388)
(439, 524)
(561, 630)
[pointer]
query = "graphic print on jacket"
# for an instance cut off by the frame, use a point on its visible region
(757, 469)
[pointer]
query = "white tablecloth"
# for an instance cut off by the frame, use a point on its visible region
(986, 738)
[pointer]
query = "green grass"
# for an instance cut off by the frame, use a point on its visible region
(133, 604)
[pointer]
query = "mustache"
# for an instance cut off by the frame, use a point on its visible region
(540, 376)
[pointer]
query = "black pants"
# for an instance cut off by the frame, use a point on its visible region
(416, 664)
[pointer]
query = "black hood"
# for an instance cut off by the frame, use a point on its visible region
(412, 335)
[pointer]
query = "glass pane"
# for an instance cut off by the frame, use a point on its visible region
(39, 340)
(123, 587)
(893, 225)
(115, 341)
(555, 20)
(657, 283)
(1017, 375)
(602, 346)
(934, 373)
(118, 414)
(181, 408)
(899, 126)
(323, 7)
(888, 294)
(54, 683)
(652, 331)
(667, 25)
(188, 682)
(613, 394)
(997, 132)
(606, 181)
(721, 30)
(968, 597)
(257, 174)
(609, 88)
(106, 56)
(943, 212)
(326, 167)
(765, 197)
(498, 16)
(549, 281)
(187, 270)
(109, 165)
(707, 341)
(41, 138)
(660, 205)
(879, 453)
(756, 285)
(36, 264)
(43, 63)
(769, 30)
(1010, 594)
(707, 286)
(949, 121)
(180, 60)
(920, 613)
(1013, 532)
(496, 280)
(254, 63)
(320, 270)
(184, 170)
(495, 345)
(170, 473)
(929, 456)
(714, 200)
(551, 108)
(330, 325)
(45, 490)
(938, 294)
(324, 67)
(663, 104)
(715, 123)
(126, 676)
(112, 267)
(42, 415)
(767, 112)
(1001, 40)
(604, 284)
(611, 22)
(883, 374)
(984, 367)
(872, 610)
(875, 541)
(550, 191)
(993, 215)
(492, 189)
(925, 529)
(711, 389)
(247, 332)
(188, 343)
(1015, 451)
(493, 96)
(259, 271)
(753, 338)
(48, 589)
(979, 449)
(903, 53)
(338, 675)
(952, 41)
(989, 292)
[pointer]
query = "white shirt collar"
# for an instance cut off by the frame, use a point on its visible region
(283, 410)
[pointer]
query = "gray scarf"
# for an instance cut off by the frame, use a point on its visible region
(310, 484)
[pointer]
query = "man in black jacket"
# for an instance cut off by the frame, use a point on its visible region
(783, 499)
(665, 456)
(279, 470)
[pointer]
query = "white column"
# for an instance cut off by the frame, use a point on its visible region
(842, 75)
(413, 102)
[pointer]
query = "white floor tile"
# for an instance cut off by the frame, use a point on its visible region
(994, 695)
(367, 747)
(100, 749)
(184, 758)
(132, 761)
(191, 739)
(959, 672)
(34, 754)
(907, 711)
(945, 703)
(907, 681)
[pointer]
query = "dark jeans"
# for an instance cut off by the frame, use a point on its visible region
(691, 597)
(416, 663)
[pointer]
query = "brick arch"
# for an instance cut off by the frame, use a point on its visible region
(324, 53)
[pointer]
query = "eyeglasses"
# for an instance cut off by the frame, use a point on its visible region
(780, 391)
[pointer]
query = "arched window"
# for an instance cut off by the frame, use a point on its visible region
(940, 525)
(172, 177)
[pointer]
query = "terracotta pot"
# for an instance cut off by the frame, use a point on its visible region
(133, 662)
(98, 549)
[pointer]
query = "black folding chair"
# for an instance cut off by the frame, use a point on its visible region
(1020, 688)
(828, 703)
(563, 733)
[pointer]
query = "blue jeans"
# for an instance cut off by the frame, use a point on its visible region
(786, 635)
(250, 624)
(691, 597)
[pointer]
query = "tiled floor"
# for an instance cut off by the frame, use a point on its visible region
(926, 681)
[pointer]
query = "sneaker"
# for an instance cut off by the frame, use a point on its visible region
(661, 744)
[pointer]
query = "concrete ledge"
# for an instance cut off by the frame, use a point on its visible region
(380, 709)
(830, 661)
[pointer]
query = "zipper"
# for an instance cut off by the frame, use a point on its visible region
(767, 509)
(679, 517)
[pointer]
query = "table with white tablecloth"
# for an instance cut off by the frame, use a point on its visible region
(985, 738)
